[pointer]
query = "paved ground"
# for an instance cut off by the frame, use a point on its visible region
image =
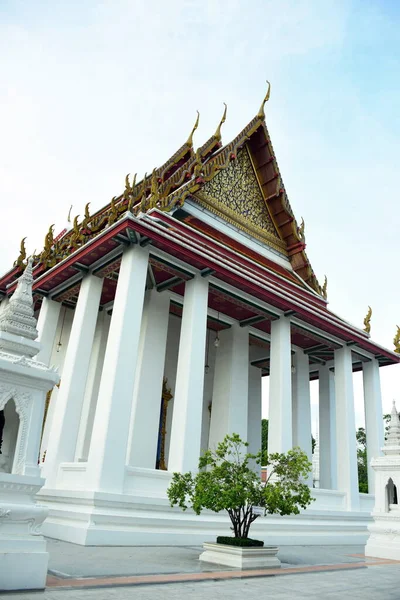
(170, 573)
(70, 560)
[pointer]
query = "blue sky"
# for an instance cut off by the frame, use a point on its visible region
(92, 90)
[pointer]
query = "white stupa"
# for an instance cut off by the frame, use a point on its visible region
(384, 539)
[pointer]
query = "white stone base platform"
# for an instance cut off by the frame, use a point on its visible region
(95, 518)
(384, 541)
(23, 555)
(241, 558)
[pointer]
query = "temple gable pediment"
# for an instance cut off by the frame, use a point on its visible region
(234, 194)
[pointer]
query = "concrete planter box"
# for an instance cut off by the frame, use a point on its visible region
(241, 558)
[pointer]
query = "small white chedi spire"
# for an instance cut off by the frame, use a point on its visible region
(392, 442)
(17, 323)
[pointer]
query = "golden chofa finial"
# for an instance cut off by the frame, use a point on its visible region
(396, 341)
(190, 138)
(69, 214)
(367, 320)
(22, 254)
(324, 290)
(300, 230)
(261, 112)
(217, 134)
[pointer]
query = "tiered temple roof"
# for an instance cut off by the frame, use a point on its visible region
(241, 185)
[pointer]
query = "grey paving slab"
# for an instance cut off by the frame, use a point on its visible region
(371, 583)
(70, 560)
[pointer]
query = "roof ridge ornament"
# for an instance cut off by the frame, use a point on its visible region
(217, 133)
(261, 112)
(324, 289)
(190, 138)
(367, 321)
(22, 254)
(300, 230)
(396, 341)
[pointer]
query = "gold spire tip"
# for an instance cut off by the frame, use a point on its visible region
(261, 112)
(217, 134)
(190, 138)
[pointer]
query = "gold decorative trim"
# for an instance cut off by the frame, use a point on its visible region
(233, 218)
(278, 231)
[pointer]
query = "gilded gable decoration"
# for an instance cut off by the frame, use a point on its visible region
(235, 194)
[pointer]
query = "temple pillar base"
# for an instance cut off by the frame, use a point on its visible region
(142, 516)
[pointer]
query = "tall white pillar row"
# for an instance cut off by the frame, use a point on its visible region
(92, 386)
(327, 430)
(280, 388)
(67, 412)
(229, 412)
(254, 413)
(184, 448)
(108, 446)
(374, 428)
(301, 405)
(47, 327)
(145, 418)
(346, 445)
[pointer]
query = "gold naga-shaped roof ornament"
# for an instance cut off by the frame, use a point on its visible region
(154, 193)
(396, 341)
(189, 141)
(143, 200)
(300, 230)
(69, 214)
(113, 211)
(324, 289)
(128, 193)
(22, 254)
(261, 112)
(87, 216)
(217, 133)
(367, 320)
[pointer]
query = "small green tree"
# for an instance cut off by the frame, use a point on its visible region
(226, 481)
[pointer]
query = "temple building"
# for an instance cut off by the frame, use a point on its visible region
(162, 312)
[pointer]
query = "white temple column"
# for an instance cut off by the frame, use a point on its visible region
(374, 428)
(327, 430)
(254, 413)
(347, 473)
(47, 327)
(92, 386)
(280, 388)
(229, 411)
(108, 447)
(301, 405)
(188, 401)
(67, 412)
(34, 431)
(145, 419)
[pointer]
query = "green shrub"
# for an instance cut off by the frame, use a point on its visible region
(243, 542)
(228, 480)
